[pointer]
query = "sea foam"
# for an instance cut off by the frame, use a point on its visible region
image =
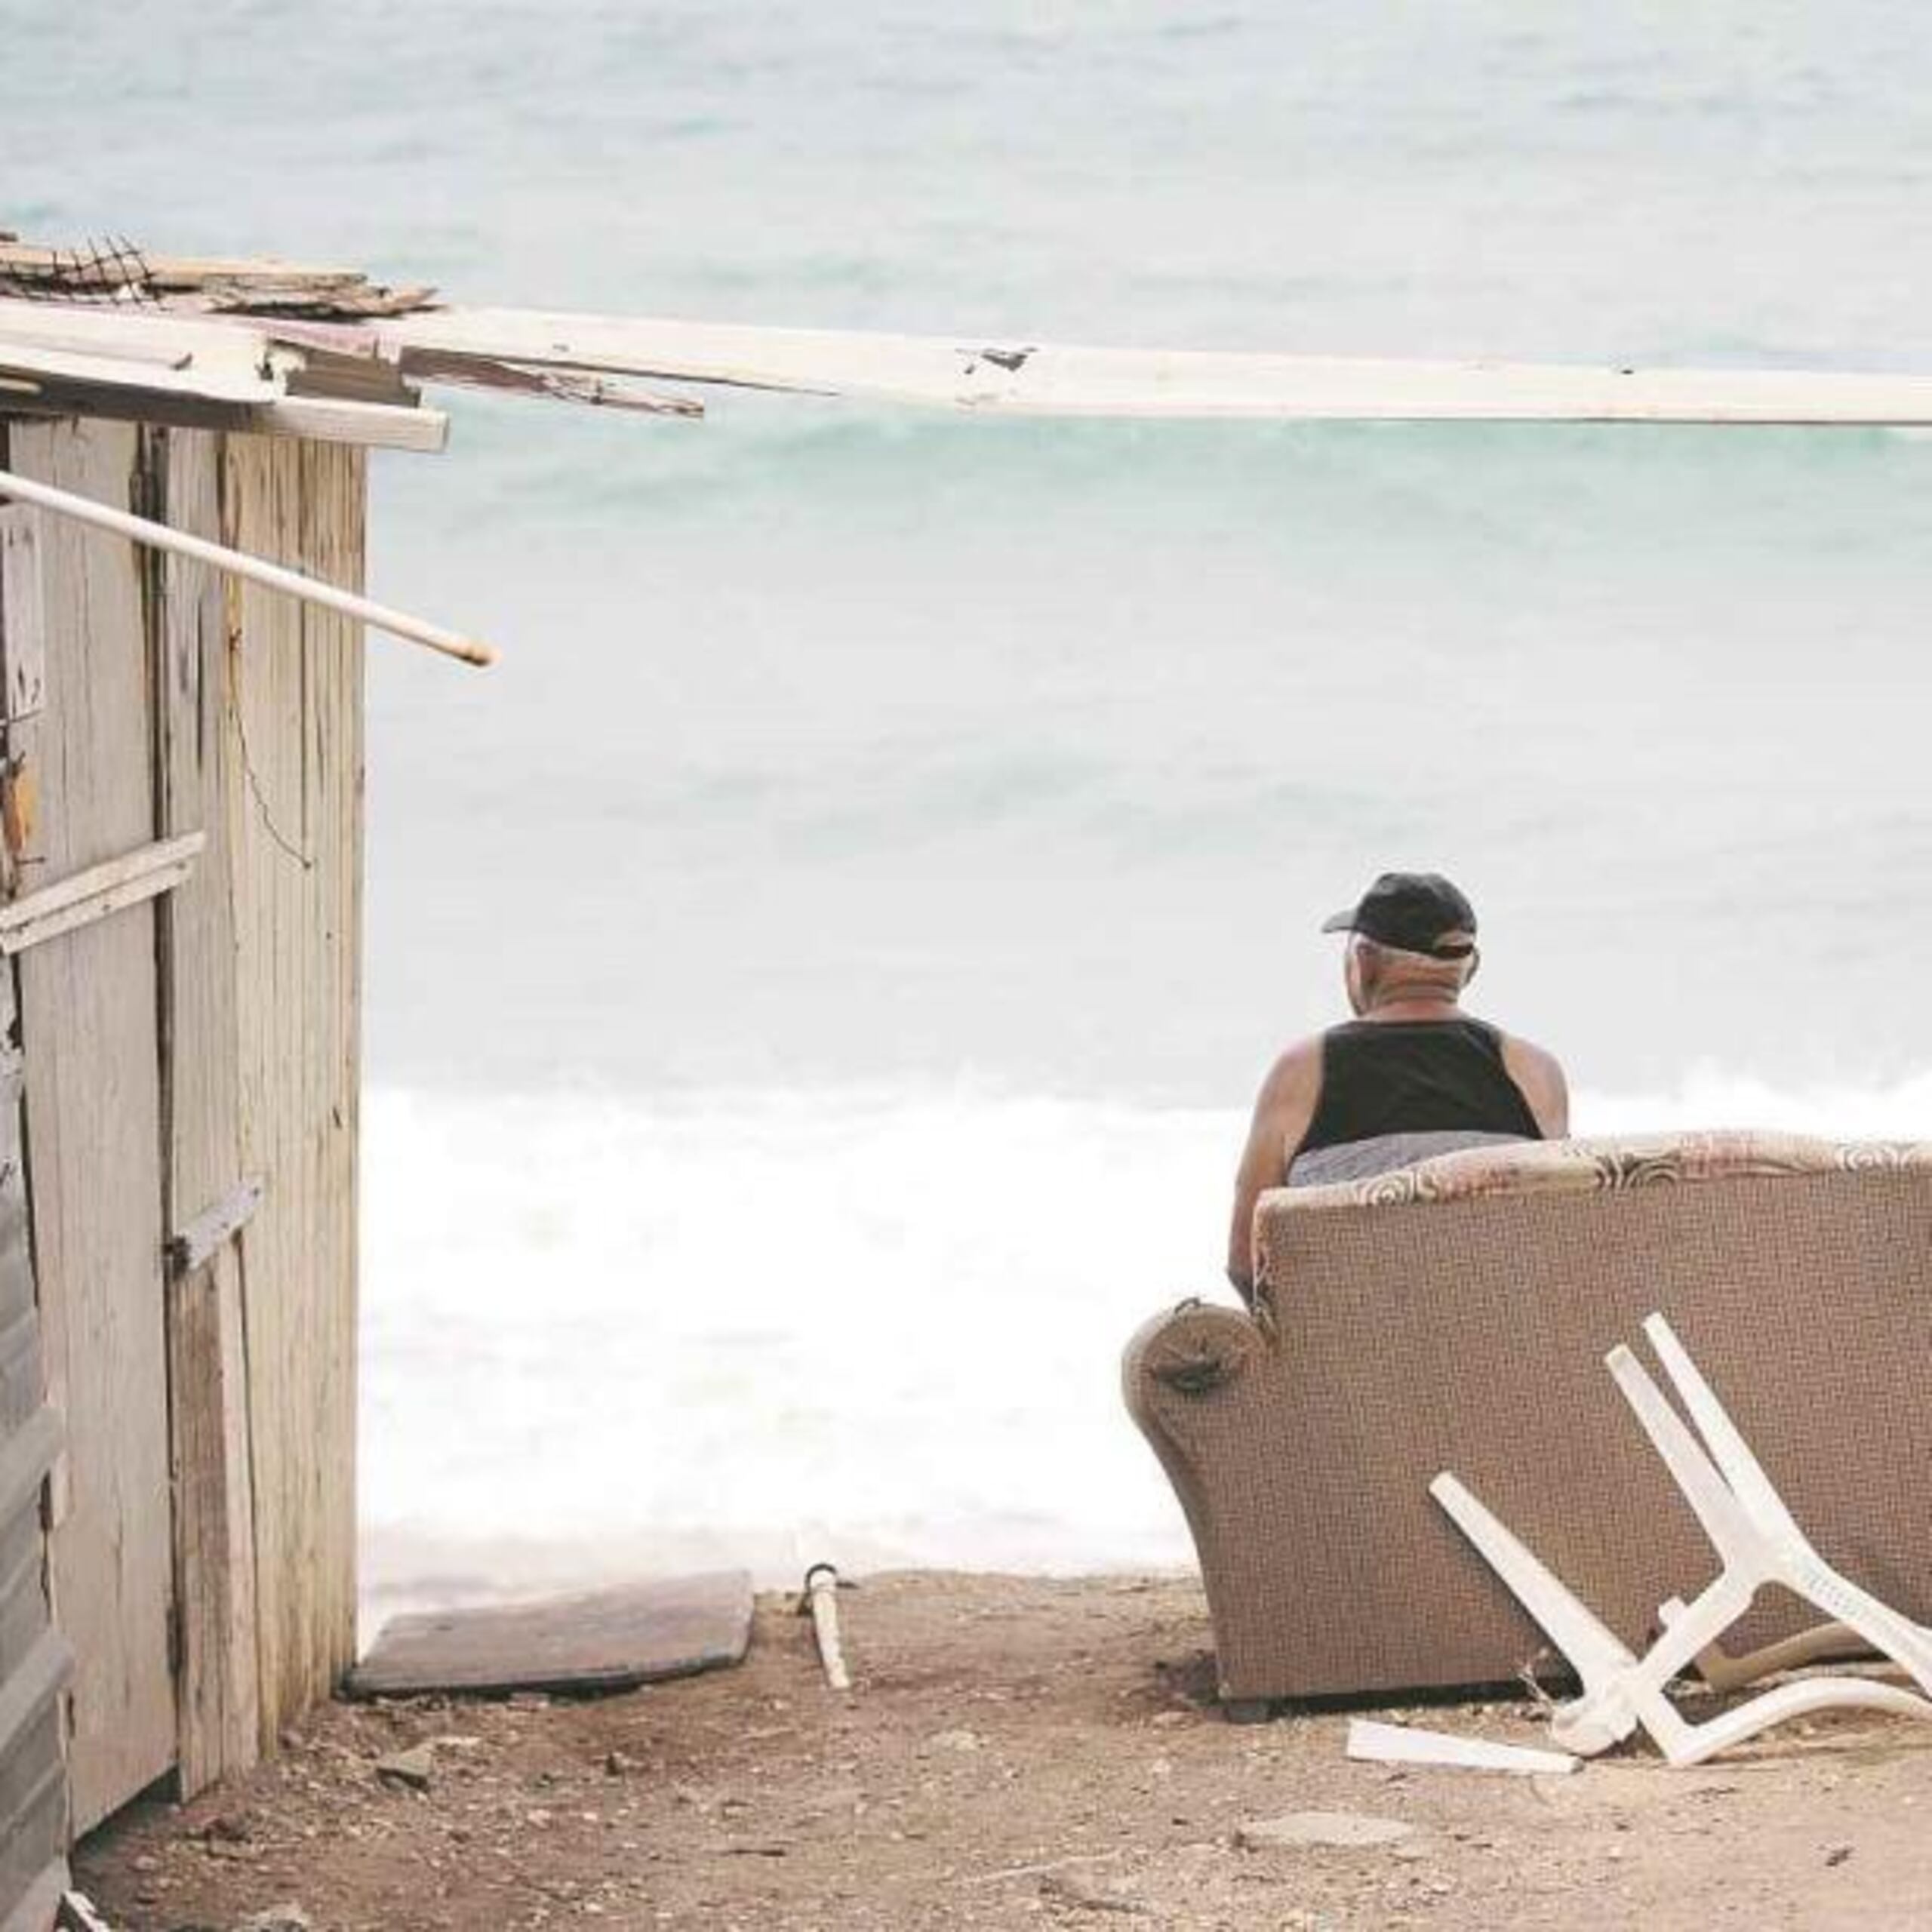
(609, 1336)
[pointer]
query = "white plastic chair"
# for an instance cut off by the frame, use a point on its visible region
(1757, 1542)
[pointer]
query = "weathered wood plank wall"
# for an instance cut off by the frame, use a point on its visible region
(89, 1017)
(35, 1662)
(191, 1064)
(298, 857)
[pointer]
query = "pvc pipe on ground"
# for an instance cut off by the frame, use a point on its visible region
(822, 1600)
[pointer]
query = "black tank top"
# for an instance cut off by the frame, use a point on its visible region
(1419, 1076)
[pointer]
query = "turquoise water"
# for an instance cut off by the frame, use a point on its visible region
(837, 743)
(877, 774)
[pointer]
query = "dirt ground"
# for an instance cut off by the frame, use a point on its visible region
(1017, 1751)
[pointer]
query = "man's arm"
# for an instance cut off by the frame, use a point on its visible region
(1540, 1076)
(1282, 1112)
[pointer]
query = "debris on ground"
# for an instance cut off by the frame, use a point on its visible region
(1100, 1788)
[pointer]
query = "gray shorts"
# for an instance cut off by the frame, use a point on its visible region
(1359, 1160)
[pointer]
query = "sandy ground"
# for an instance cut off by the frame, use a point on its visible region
(1017, 1752)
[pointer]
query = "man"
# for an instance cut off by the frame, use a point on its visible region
(1411, 1075)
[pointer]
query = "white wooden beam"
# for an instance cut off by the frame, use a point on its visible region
(80, 358)
(215, 1227)
(231, 361)
(1008, 376)
(98, 891)
(368, 425)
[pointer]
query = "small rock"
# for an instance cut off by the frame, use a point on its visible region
(954, 1740)
(1837, 1854)
(1298, 1830)
(616, 1764)
(415, 1768)
(1069, 1888)
(1169, 1717)
(287, 1917)
(529, 1700)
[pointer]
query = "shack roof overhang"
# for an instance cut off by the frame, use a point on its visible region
(323, 353)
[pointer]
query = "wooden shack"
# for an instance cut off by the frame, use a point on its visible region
(181, 760)
(182, 805)
(180, 945)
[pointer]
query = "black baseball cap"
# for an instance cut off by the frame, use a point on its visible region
(1414, 911)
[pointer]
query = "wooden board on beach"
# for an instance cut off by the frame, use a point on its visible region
(601, 1640)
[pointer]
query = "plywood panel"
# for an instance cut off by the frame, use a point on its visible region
(33, 1796)
(89, 1026)
(297, 859)
(200, 790)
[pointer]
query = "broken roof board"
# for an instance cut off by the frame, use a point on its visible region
(1041, 380)
(364, 362)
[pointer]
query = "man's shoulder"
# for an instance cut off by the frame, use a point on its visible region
(1295, 1066)
(1518, 1046)
(1539, 1073)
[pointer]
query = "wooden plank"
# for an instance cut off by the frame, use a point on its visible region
(26, 1457)
(233, 377)
(298, 708)
(154, 366)
(213, 1229)
(1022, 377)
(33, 1805)
(23, 689)
(98, 891)
(481, 372)
(33, 1799)
(368, 424)
(29, 1690)
(23, 669)
(41, 1901)
(89, 1020)
(191, 353)
(599, 1640)
(202, 787)
(221, 1728)
(183, 270)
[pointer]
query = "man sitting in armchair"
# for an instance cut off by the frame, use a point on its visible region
(1412, 1075)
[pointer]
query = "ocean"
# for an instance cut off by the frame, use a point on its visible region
(815, 985)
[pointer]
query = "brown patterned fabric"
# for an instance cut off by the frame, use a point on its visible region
(1523, 1167)
(1469, 1335)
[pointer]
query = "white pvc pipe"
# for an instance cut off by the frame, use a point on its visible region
(275, 576)
(822, 1599)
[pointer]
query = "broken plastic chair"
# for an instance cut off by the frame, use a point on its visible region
(1757, 1543)
(1725, 1670)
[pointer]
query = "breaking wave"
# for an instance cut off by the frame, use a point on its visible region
(608, 1336)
